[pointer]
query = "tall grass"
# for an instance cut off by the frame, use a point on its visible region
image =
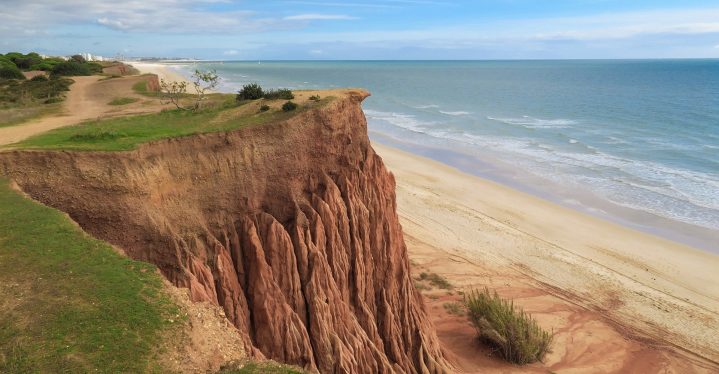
(514, 333)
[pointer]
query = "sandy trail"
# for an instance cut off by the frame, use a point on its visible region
(88, 99)
(616, 297)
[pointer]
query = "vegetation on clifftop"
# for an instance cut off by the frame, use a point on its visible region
(69, 302)
(126, 133)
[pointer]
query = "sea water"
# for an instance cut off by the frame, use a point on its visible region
(635, 141)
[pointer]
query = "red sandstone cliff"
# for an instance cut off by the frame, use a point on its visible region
(290, 227)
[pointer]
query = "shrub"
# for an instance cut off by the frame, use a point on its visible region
(94, 67)
(289, 106)
(279, 94)
(10, 71)
(39, 78)
(71, 68)
(514, 333)
(44, 66)
(436, 280)
(454, 308)
(315, 97)
(264, 108)
(53, 100)
(251, 91)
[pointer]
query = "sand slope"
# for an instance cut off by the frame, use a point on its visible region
(594, 281)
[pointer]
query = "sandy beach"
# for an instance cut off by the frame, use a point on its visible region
(595, 283)
(161, 70)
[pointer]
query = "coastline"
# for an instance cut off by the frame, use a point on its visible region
(652, 288)
(659, 289)
(160, 69)
(488, 166)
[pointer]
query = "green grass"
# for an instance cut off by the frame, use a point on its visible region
(68, 302)
(141, 88)
(123, 100)
(126, 133)
(511, 331)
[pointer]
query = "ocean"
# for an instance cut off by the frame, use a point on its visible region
(633, 141)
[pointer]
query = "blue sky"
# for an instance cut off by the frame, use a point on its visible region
(356, 29)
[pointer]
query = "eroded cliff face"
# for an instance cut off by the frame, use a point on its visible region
(290, 227)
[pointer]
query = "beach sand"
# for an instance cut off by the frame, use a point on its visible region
(614, 296)
(161, 70)
(618, 300)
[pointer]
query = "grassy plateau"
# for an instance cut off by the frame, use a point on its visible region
(126, 133)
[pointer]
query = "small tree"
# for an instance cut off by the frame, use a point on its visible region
(203, 82)
(251, 91)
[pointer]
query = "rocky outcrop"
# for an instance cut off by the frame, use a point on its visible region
(290, 227)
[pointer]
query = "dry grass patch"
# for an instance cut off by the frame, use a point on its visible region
(123, 101)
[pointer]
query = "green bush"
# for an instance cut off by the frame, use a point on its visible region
(264, 108)
(94, 67)
(315, 97)
(36, 89)
(10, 71)
(39, 78)
(71, 68)
(289, 106)
(252, 91)
(514, 333)
(279, 94)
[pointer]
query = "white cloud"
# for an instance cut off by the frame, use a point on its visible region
(168, 16)
(231, 52)
(317, 16)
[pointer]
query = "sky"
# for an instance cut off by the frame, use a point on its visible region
(363, 30)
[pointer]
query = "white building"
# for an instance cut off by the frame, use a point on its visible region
(91, 57)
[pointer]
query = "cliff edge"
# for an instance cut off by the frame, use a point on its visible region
(290, 227)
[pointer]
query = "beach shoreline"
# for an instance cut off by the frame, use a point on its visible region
(654, 286)
(643, 287)
(162, 70)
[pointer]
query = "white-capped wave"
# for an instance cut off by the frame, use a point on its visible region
(535, 123)
(675, 193)
(428, 106)
(402, 120)
(457, 113)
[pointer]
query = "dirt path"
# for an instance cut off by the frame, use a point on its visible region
(88, 99)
